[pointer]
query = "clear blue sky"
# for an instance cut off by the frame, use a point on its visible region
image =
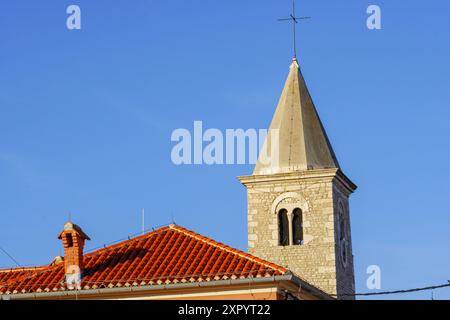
(86, 118)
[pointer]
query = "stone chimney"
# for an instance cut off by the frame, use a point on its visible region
(73, 239)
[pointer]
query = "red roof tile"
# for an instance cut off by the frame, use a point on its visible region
(165, 256)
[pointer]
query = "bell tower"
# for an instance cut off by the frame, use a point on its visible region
(298, 197)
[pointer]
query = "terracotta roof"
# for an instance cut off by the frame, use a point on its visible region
(165, 256)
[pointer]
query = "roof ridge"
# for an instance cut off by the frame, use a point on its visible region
(126, 241)
(22, 269)
(228, 248)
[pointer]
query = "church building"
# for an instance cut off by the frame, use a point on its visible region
(299, 237)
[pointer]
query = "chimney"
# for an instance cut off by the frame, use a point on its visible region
(73, 241)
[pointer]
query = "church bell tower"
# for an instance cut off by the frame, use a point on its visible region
(298, 197)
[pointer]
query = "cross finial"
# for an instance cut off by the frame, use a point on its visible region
(294, 20)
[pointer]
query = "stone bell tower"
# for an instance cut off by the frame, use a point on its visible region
(298, 201)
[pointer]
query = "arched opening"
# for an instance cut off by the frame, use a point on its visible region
(283, 228)
(69, 240)
(297, 227)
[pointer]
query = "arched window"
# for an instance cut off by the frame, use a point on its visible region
(283, 228)
(297, 227)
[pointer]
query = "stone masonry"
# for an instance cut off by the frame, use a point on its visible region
(318, 193)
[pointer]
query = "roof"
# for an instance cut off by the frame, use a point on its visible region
(69, 226)
(168, 255)
(302, 141)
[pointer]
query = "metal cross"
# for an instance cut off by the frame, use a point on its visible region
(294, 20)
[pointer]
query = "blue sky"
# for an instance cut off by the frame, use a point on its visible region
(86, 118)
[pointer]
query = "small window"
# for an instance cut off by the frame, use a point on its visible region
(69, 240)
(297, 227)
(283, 227)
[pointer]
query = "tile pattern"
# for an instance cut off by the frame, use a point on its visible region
(165, 256)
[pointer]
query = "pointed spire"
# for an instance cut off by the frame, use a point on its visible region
(302, 141)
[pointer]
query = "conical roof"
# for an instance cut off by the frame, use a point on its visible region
(297, 131)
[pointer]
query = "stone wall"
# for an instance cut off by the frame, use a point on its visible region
(317, 194)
